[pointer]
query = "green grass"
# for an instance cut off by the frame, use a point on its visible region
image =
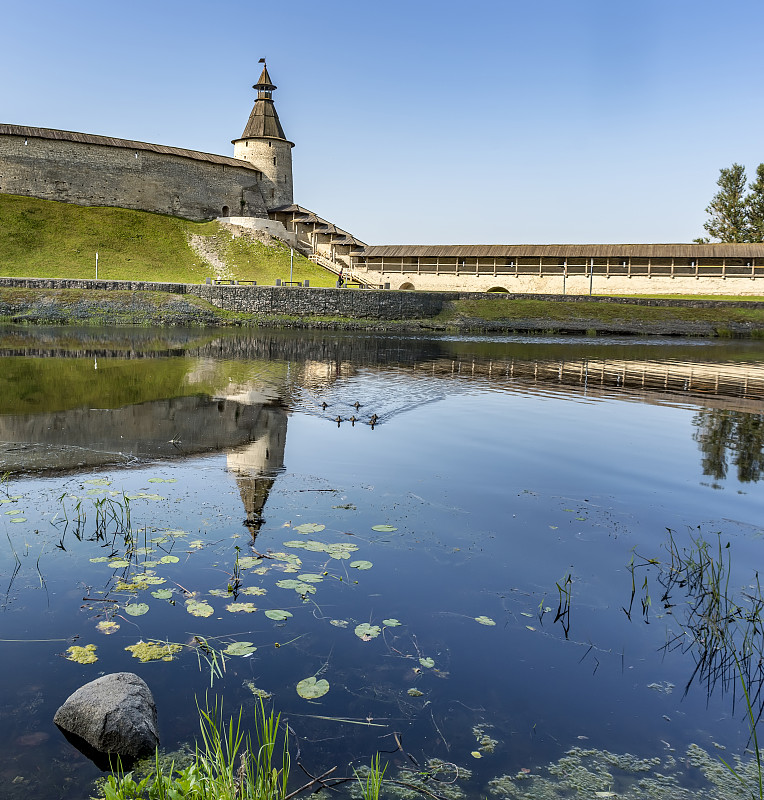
(584, 312)
(729, 298)
(227, 765)
(46, 239)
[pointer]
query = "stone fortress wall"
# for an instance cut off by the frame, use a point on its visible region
(99, 171)
(273, 157)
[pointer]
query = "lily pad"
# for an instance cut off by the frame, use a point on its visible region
(483, 620)
(384, 528)
(162, 594)
(119, 563)
(248, 561)
(249, 608)
(309, 527)
(277, 614)
(107, 627)
(296, 543)
(153, 580)
(100, 560)
(150, 564)
(136, 609)
(169, 560)
(339, 623)
(18, 519)
(366, 631)
(199, 608)
(240, 649)
(311, 689)
(427, 662)
(154, 651)
(99, 482)
(391, 623)
(361, 564)
(14, 512)
(82, 655)
(143, 551)
(310, 577)
(163, 480)
(254, 590)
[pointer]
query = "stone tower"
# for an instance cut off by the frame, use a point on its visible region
(264, 145)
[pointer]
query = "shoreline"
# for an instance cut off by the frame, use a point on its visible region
(464, 314)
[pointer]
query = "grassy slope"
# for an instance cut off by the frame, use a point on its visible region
(45, 239)
(495, 310)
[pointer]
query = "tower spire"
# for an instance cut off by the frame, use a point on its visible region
(264, 121)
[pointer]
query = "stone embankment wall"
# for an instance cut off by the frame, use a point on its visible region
(355, 304)
(93, 174)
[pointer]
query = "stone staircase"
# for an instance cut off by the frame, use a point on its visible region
(340, 268)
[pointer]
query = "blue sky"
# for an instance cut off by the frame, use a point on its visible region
(422, 122)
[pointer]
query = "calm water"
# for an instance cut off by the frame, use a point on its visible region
(516, 480)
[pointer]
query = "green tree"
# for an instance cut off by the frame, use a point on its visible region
(755, 206)
(728, 210)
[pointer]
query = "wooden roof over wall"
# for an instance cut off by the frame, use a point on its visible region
(108, 141)
(718, 250)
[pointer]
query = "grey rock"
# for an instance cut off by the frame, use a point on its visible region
(114, 714)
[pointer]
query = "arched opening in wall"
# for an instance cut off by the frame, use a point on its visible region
(407, 287)
(226, 212)
(498, 289)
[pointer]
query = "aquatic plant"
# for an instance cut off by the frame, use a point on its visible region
(227, 764)
(371, 785)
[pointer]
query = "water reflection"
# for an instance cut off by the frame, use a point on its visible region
(725, 435)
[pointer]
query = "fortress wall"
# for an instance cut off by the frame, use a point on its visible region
(102, 175)
(574, 284)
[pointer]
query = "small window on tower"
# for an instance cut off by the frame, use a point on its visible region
(274, 161)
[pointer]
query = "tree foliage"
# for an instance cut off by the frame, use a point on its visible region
(755, 206)
(728, 220)
(735, 216)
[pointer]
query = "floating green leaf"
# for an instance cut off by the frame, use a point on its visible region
(476, 754)
(149, 564)
(143, 551)
(100, 559)
(82, 655)
(18, 519)
(315, 547)
(199, 608)
(197, 544)
(427, 662)
(415, 693)
(247, 607)
(361, 564)
(136, 609)
(277, 614)
(14, 511)
(163, 480)
(248, 561)
(296, 543)
(254, 590)
(391, 623)
(153, 580)
(298, 586)
(154, 651)
(169, 560)
(99, 482)
(240, 649)
(309, 527)
(162, 594)
(310, 577)
(119, 563)
(483, 620)
(311, 689)
(384, 528)
(366, 631)
(339, 623)
(220, 593)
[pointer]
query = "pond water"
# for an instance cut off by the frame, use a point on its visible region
(470, 574)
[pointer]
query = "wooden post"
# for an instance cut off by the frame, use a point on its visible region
(672, 267)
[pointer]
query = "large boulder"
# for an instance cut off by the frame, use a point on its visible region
(114, 714)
